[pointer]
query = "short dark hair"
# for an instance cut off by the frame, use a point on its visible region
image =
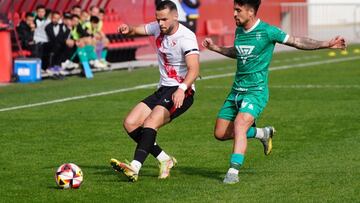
(67, 16)
(29, 14)
(102, 10)
(166, 5)
(75, 16)
(94, 19)
(255, 4)
(76, 6)
(94, 6)
(55, 13)
(40, 7)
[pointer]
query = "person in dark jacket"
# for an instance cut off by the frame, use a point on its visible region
(57, 34)
(25, 31)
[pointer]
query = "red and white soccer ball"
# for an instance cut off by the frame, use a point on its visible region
(68, 176)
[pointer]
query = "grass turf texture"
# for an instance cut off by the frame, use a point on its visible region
(315, 157)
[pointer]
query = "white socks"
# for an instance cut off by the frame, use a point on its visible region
(259, 133)
(163, 156)
(136, 165)
(234, 171)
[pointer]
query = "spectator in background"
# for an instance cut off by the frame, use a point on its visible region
(99, 38)
(76, 10)
(40, 36)
(85, 45)
(70, 48)
(101, 14)
(25, 31)
(96, 11)
(191, 8)
(84, 19)
(57, 34)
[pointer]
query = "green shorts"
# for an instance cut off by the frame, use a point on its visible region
(252, 102)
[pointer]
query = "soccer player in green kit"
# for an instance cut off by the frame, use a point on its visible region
(253, 48)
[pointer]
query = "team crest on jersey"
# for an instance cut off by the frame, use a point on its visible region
(258, 36)
(172, 43)
(245, 51)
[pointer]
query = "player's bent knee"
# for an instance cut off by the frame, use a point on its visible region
(219, 135)
(130, 124)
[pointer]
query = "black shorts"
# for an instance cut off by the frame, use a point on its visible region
(163, 97)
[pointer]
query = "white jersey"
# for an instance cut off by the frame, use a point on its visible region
(171, 51)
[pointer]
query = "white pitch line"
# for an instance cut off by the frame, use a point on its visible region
(154, 84)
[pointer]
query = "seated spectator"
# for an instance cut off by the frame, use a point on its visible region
(25, 31)
(40, 36)
(70, 48)
(57, 34)
(101, 14)
(76, 10)
(84, 19)
(85, 46)
(99, 38)
(96, 11)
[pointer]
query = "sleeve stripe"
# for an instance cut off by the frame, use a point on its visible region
(191, 50)
(286, 39)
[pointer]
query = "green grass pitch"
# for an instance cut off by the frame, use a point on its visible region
(316, 157)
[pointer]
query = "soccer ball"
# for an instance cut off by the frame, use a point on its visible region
(69, 176)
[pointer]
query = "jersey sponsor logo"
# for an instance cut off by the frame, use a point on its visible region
(244, 51)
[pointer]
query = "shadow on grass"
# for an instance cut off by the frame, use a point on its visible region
(204, 172)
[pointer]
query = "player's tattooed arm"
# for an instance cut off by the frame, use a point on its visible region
(304, 43)
(226, 51)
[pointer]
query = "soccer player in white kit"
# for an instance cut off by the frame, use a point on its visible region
(178, 57)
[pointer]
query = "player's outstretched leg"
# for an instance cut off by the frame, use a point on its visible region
(133, 126)
(125, 168)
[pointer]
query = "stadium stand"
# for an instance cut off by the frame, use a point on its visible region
(120, 48)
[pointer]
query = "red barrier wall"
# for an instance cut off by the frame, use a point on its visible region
(5, 57)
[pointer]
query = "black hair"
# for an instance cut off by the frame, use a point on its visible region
(75, 16)
(76, 6)
(102, 10)
(94, 19)
(255, 4)
(55, 13)
(166, 5)
(40, 7)
(67, 16)
(29, 14)
(93, 6)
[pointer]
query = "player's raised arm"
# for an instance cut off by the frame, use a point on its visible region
(226, 51)
(304, 43)
(132, 30)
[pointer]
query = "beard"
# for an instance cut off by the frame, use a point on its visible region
(239, 23)
(167, 31)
